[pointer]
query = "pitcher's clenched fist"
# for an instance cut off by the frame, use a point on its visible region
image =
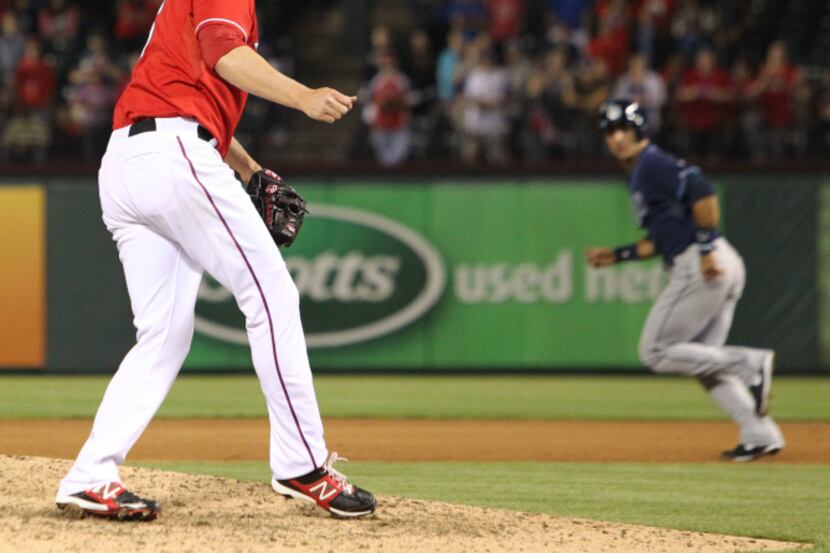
(327, 105)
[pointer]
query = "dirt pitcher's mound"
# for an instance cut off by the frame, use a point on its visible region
(204, 514)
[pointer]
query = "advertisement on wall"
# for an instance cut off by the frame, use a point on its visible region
(453, 276)
(23, 277)
(429, 275)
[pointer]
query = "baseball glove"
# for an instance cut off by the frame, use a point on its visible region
(282, 209)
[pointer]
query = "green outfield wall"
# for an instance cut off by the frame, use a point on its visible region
(447, 275)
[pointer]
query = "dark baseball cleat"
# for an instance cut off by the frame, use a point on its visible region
(111, 501)
(742, 453)
(330, 490)
(761, 391)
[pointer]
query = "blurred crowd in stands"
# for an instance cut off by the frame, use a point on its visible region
(61, 71)
(63, 64)
(488, 81)
(484, 80)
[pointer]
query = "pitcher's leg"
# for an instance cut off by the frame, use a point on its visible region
(281, 361)
(163, 283)
(223, 232)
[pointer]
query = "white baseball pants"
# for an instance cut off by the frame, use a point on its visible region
(175, 210)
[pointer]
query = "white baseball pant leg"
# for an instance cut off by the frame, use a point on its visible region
(175, 210)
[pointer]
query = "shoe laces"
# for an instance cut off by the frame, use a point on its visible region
(336, 475)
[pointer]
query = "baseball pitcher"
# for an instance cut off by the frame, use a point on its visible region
(175, 210)
(687, 327)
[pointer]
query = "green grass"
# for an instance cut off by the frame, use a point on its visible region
(485, 397)
(757, 500)
(763, 500)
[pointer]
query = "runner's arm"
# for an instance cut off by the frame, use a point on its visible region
(603, 257)
(706, 212)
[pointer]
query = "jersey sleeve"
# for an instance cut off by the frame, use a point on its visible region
(217, 40)
(237, 14)
(693, 185)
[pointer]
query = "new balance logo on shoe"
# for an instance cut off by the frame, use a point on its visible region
(108, 491)
(323, 491)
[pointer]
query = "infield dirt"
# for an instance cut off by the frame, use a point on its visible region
(203, 514)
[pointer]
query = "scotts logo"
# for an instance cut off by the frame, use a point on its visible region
(360, 276)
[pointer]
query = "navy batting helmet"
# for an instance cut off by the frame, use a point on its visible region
(620, 112)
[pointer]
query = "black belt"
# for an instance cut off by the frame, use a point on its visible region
(149, 125)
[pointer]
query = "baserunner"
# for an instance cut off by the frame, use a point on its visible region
(686, 330)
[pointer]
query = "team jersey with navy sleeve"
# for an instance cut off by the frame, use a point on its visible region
(663, 189)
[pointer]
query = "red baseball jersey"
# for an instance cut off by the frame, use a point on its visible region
(172, 79)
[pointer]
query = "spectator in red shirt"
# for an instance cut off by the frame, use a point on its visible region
(703, 96)
(507, 19)
(387, 114)
(612, 41)
(777, 88)
(34, 78)
(28, 134)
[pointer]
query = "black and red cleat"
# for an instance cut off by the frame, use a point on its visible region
(330, 490)
(111, 501)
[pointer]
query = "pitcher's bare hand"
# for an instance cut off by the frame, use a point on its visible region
(327, 105)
